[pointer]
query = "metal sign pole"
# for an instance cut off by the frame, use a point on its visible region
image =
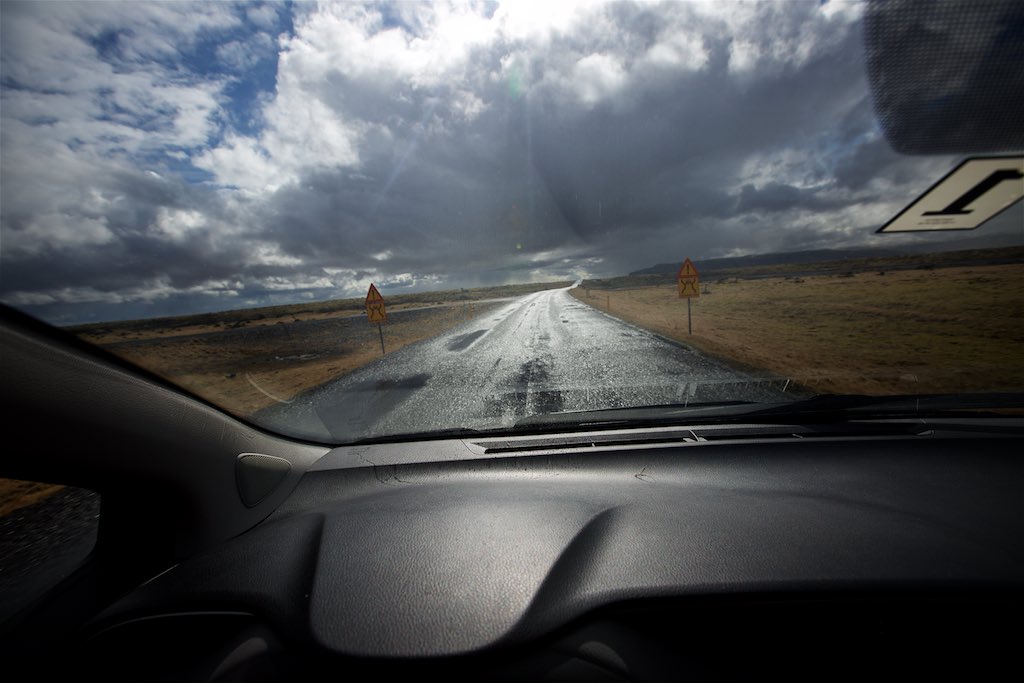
(381, 330)
(688, 284)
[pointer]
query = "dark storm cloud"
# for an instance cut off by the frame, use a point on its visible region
(646, 165)
(139, 249)
(385, 153)
(463, 192)
(781, 197)
(541, 170)
(872, 160)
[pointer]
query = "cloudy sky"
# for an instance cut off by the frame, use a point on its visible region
(165, 158)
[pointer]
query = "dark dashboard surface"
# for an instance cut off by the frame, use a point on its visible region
(493, 565)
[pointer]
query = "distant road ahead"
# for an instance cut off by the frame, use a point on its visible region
(544, 352)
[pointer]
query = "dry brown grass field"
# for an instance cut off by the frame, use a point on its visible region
(248, 368)
(940, 330)
(246, 360)
(16, 494)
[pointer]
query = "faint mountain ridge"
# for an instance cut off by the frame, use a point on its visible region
(778, 258)
(924, 246)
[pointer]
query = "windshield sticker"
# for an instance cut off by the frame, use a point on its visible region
(971, 194)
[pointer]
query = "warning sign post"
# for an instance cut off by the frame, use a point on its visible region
(688, 283)
(375, 312)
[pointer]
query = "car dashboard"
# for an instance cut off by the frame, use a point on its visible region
(664, 554)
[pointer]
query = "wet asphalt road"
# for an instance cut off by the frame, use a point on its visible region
(544, 352)
(43, 543)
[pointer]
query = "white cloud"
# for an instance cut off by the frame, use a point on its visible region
(597, 77)
(149, 291)
(217, 288)
(242, 54)
(264, 16)
(468, 105)
(342, 53)
(398, 280)
(678, 49)
(53, 229)
(270, 254)
(773, 37)
(302, 133)
(241, 162)
(538, 21)
(178, 224)
(110, 100)
(278, 284)
(846, 10)
(433, 43)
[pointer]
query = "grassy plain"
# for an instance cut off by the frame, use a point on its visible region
(15, 494)
(263, 369)
(950, 329)
(106, 333)
(246, 360)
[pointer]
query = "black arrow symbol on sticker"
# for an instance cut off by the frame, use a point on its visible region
(958, 207)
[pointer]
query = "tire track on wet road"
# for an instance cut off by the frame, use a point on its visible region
(544, 352)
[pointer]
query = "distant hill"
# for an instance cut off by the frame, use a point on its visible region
(795, 257)
(817, 262)
(729, 263)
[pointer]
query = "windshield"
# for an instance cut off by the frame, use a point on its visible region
(345, 221)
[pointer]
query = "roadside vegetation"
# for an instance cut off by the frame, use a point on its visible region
(105, 333)
(917, 330)
(246, 360)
